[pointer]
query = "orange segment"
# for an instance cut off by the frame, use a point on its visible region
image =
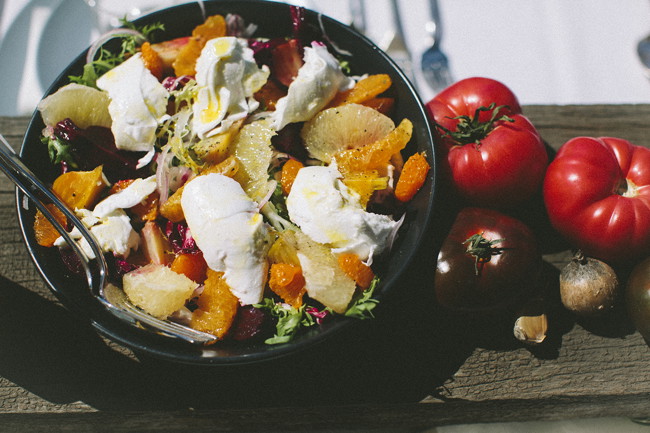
(185, 63)
(413, 176)
(217, 306)
(383, 105)
(168, 51)
(79, 189)
(213, 27)
(172, 209)
(284, 249)
(364, 90)
(354, 268)
(289, 172)
(376, 155)
(340, 128)
(193, 266)
(44, 231)
(228, 167)
(269, 95)
(216, 148)
(286, 280)
(148, 210)
(365, 184)
(152, 60)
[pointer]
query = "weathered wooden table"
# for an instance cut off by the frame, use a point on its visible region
(411, 368)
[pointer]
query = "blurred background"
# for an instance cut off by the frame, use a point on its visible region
(548, 52)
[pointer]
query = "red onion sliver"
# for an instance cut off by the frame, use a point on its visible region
(271, 189)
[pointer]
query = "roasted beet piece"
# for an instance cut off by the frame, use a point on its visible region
(250, 322)
(71, 261)
(95, 146)
(288, 140)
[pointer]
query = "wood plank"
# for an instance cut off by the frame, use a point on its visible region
(413, 367)
(380, 418)
(557, 124)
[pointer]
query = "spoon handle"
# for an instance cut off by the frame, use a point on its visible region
(111, 297)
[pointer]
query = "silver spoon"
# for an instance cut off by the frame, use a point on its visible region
(110, 296)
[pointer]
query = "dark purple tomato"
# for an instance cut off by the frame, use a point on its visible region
(488, 261)
(637, 297)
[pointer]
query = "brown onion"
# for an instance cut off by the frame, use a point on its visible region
(588, 286)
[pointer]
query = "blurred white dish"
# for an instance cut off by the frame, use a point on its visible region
(109, 12)
(39, 42)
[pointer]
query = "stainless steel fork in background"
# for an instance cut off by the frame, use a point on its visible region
(397, 48)
(434, 63)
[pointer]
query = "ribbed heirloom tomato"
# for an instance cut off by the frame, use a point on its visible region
(597, 194)
(493, 154)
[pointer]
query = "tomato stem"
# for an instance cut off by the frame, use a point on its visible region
(471, 129)
(579, 257)
(482, 249)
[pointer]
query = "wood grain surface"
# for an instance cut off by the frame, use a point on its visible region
(413, 367)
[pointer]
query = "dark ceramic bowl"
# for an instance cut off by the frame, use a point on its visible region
(273, 19)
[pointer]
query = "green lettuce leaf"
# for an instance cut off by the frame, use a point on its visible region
(363, 306)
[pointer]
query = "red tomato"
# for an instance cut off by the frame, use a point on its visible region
(487, 261)
(492, 161)
(597, 194)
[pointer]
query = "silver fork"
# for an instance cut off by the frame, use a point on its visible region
(397, 49)
(434, 63)
(110, 296)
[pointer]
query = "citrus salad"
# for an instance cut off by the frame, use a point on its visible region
(239, 185)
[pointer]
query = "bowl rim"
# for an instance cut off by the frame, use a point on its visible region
(145, 342)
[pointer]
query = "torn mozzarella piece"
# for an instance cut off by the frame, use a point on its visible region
(317, 82)
(130, 196)
(227, 77)
(229, 230)
(329, 213)
(113, 232)
(108, 222)
(138, 103)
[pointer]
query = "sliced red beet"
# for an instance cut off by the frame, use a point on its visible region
(250, 322)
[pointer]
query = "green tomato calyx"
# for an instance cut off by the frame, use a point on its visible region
(472, 129)
(482, 250)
